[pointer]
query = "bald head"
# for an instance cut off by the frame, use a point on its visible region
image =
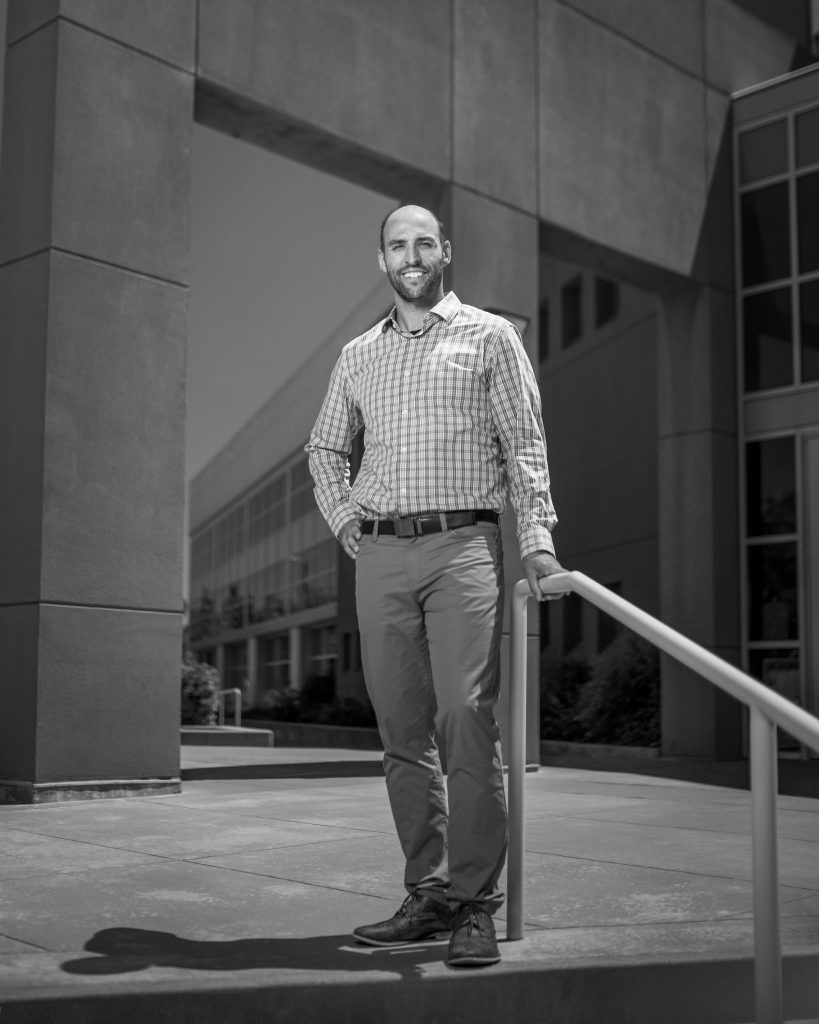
(416, 213)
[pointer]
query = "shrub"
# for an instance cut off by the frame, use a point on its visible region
(291, 706)
(282, 705)
(347, 711)
(621, 701)
(561, 680)
(317, 690)
(200, 683)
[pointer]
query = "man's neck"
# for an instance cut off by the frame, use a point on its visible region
(410, 315)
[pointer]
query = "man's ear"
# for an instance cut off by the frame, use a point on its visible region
(447, 252)
(382, 266)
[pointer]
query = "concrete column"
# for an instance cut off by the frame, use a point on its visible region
(220, 664)
(94, 190)
(252, 694)
(699, 545)
(296, 658)
(495, 265)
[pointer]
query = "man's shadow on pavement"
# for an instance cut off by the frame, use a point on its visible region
(126, 950)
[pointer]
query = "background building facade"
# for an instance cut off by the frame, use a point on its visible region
(271, 600)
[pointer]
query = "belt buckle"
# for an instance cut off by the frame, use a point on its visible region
(404, 526)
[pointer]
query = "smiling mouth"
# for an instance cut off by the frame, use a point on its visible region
(412, 274)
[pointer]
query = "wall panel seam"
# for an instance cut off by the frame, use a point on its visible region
(32, 32)
(25, 256)
(138, 609)
(663, 58)
(155, 278)
(189, 72)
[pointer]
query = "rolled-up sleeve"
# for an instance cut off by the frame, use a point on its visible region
(518, 420)
(329, 450)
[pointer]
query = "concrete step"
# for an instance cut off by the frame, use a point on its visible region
(240, 982)
(224, 736)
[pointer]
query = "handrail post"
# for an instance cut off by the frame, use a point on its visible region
(237, 705)
(767, 941)
(517, 760)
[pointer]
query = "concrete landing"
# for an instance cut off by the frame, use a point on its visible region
(233, 902)
(224, 736)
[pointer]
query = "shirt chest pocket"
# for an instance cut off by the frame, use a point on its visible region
(457, 384)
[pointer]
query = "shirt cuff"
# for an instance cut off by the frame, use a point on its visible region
(535, 538)
(341, 515)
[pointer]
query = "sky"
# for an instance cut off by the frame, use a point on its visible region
(280, 254)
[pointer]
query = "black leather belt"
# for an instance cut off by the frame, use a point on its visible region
(431, 522)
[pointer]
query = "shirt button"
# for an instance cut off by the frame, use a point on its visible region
(403, 490)
(403, 449)
(405, 412)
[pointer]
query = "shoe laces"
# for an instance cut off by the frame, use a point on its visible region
(407, 907)
(471, 917)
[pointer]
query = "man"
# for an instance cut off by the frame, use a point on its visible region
(452, 416)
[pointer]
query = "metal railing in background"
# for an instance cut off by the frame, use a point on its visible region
(767, 711)
(237, 705)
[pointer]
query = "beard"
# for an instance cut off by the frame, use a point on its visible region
(421, 291)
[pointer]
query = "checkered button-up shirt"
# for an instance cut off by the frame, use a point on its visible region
(452, 418)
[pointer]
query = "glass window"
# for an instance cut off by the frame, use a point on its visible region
(267, 510)
(268, 592)
(765, 234)
(302, 499)
(768, 344)
(276, 662)
(807, 138)
(771, 486)
(809, 329)
(763, 152)
(606, 301)
(320, 663)
(235, 668)
(235, 606)
(807, 206)
(543, 331)
(773, 586)
(571, 311)
(779, 669)
(314, 578)
(203, 618)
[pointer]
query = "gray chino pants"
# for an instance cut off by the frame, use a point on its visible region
(430, 612)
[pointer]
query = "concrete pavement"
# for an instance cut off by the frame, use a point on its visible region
(233, 901)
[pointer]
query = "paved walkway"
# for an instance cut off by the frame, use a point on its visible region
(233, 901)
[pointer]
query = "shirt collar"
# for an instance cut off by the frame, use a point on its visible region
(447, 309)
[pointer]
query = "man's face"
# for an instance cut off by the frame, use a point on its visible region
(413, 257)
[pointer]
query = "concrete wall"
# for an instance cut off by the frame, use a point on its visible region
(93, 270)
(552, 111)
(601, 417)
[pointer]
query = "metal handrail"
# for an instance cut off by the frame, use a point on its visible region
(237, 705)
(768, 710)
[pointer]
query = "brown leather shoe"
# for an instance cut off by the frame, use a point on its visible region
(473, 942)
(419, 917)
